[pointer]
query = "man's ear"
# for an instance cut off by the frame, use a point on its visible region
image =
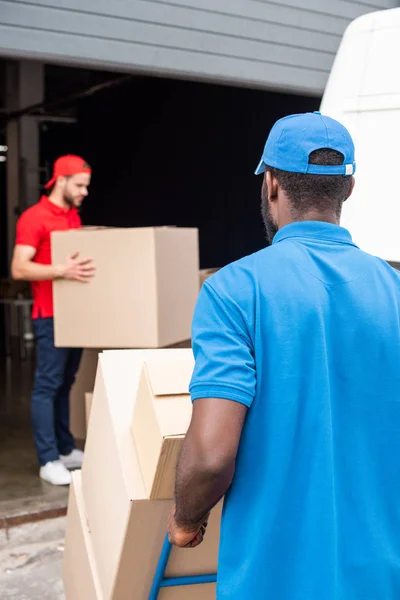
(353, 183)
(61, 181)
(272, 185)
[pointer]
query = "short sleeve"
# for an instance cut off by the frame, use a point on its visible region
(29, 231)
(223, 350)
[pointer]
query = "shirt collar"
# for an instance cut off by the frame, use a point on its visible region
(56, 210)
(315, 230)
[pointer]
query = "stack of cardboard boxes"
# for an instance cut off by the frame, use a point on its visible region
(143, 295)
(119, 503)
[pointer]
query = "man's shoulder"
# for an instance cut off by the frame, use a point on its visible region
(33, 213)
(389, 271)
(239, 279)
(244, 267)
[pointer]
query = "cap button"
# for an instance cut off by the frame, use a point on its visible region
(316, 112)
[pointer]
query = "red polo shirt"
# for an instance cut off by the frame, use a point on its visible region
(33, 229)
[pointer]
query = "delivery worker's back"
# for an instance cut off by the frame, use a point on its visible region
(303, 340)
(316, 493)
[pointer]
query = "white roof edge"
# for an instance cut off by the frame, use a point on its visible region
(362, 23)
(380, 18)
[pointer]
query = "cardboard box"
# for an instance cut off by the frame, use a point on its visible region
(84, 383)
(161, 419)
(88, 406)
(127, 528)
(81, 581)
(206, 273)
(143, 294)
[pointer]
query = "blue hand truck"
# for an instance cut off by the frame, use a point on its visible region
(160, 581)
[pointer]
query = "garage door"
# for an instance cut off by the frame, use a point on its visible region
(287, 45)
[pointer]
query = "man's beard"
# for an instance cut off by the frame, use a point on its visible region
(270, 227)
(69, 200)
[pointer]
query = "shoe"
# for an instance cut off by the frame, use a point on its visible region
(55, 473)
(73, 460)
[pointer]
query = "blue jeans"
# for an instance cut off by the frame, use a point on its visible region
(55, 374)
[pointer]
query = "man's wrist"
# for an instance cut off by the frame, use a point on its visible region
(59, 271)
(188, 525)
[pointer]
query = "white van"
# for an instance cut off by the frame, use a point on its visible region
(363, 92)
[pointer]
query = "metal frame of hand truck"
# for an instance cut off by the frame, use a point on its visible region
(160, 581)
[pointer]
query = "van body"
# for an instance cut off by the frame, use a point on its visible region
(363, 92)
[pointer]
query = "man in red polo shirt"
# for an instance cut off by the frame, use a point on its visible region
(56, 367)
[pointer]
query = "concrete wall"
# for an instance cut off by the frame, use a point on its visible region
(283, 45)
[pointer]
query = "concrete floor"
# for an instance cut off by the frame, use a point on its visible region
(30, 561)
(30, 553)
(22, 493)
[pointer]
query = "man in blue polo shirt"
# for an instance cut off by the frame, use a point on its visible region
(296, 390)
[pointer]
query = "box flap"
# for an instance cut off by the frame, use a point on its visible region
(170, 376)
(173, 414)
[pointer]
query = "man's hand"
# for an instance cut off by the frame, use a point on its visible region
(186, 537)
(77, 269)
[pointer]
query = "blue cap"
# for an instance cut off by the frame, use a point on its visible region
(293, 138)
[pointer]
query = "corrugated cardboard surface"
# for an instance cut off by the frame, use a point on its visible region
(104, 488)
(177, 267)
(80, 576)
(193, 592)
(163, 484)
(146, 432)
(145, 536)
(143, 294)
(161, 417)
(127, 529)
(84, 383)
(170, 376)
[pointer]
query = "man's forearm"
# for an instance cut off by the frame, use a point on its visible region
(197, 495)
(199, 486)
(31, 271)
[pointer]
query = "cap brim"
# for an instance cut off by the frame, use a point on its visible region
(50, 183)
(260, 168)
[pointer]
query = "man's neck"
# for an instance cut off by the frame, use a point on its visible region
(58, 200)
(313, 215)
(325, 217)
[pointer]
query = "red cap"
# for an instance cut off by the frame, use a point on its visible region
(66, 166)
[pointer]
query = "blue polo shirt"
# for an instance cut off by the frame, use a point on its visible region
(306, 333)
